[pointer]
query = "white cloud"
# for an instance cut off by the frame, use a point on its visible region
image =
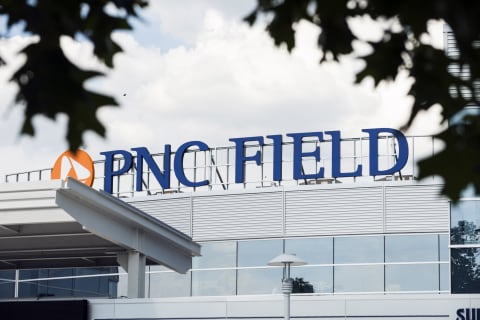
(228, 80)
(183, 21)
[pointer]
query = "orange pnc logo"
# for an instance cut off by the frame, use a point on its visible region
(77, 165)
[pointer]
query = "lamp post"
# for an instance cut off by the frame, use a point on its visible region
(286, 260)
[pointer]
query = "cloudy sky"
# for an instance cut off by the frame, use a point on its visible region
(202, 74)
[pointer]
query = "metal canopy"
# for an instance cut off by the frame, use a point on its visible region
(50, 224)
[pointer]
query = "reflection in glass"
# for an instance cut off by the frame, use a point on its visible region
(7, 285)
(444, 277)
(465, 268)
(60, 287)
(311, 250)
(358, 249)
(80, 282)
(257, 253)
(122, 286)
(358, 278)
(444, 250)
(43, 286)
(465, 222)
(411, 277)
(410, 248)
(321, 278)
(213, 282)
(167, 283)
(32, 288)
(260, 281)
(99, 286)
(216, 255)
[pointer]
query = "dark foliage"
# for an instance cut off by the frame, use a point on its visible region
(48, 82)
(401, 48)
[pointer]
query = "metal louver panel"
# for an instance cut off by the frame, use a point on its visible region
(334, 211)
(330, 210)
(416, 208)
(174, 211)
(456, 69)
(238, 216)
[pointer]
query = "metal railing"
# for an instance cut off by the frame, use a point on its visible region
(217, 165)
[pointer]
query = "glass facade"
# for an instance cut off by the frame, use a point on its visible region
(336, 265)
(64, 282)
(465, 246)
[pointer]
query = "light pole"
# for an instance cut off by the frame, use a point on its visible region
(286, 260)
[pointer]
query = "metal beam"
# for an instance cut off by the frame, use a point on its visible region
(127, 226)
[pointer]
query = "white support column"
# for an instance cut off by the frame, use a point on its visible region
(134, 263)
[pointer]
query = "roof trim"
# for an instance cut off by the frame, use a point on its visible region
(127, 226)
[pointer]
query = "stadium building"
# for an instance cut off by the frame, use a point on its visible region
(377, 242)
(191, 232)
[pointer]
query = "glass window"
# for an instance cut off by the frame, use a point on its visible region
(43, 285)
(311, 250)
(260, 281)
(411, 248)
(168, 283)
(7, 284)
(358, 249)
(465, 222)
(321, 278)
(63, 285)
(444, 250)
(358, 278)
(95, 285)
(213, 282)
(444, 277)
(34, 287)
(257, 253)
(465, 269)
(412, 277)
(216, 255)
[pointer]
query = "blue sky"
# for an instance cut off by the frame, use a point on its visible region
(203, 74)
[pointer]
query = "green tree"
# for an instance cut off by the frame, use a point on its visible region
(402, 48)
(465, 269)
(49, 83)
(302, 286)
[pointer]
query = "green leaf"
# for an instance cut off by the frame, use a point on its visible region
(48, 82)
(458, 163)
(66, 81)
(433, 83)
(386, 59)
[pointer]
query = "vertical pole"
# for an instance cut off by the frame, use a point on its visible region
(287, 286)
(136, 275)
(286, 307)
(17, 280)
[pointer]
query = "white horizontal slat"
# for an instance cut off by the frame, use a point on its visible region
(416, 208)
(24, 196)
(316, 211)
(35, 215)
(27, 195)
(334, 211)
(175, 212)
(238, 216)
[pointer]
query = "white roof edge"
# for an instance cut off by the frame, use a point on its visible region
(31, 185)
(125, 210)
(121, 223)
